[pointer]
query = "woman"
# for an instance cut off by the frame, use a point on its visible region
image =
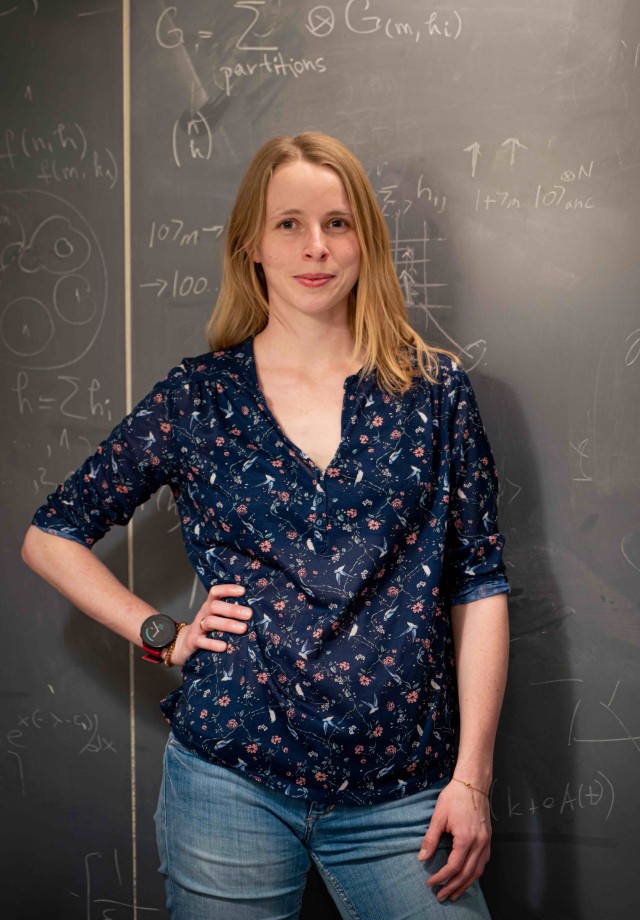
(338, 500)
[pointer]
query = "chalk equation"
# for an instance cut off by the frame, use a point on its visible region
(557, 196)
(68, 400)
(54, 277)
(366, 17)
(81, 729)
(258, 20)
(510, 801)
(60, 155)
(102, 873)
(257, 37)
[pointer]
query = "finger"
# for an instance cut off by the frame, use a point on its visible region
(458, 885)
(451, 868)
(208, 624)
(227, 590)
(428, 846)
(458, 882)
(225, 609)
(213, 645)
(431, 839)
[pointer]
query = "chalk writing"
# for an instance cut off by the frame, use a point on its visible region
(439, 25)
(74, 400)
(110, 873)
(496, 200)
(415, 255)
(54, 278)
(474, 150)
(62, 154)
(173, 231)
(508, 146)
(630, 549)
(250, 35)
(78, 400)
(512, 144)
(510, 803)
(556, 197)
(620, 733)
(321, 21)
(179, 286)
(83, 726)
(508, 486)
(255, 7)
(274, 65)
(581, 450)
(199, 137)
(633, 352)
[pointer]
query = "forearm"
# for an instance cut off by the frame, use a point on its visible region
(481, 640)
(74, 571)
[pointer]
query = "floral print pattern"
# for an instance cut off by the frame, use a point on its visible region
(343, 687)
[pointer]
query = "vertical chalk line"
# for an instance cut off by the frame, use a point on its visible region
(126, 174)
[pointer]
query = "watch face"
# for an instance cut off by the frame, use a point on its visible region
(158, 631)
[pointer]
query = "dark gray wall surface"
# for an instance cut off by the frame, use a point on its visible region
(503, 141)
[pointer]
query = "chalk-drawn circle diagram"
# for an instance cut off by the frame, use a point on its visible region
(27, 324)
(53, 281)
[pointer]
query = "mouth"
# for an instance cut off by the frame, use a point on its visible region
(312, 279)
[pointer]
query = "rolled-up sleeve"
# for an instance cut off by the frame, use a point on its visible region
(132, 463)
(473, 563)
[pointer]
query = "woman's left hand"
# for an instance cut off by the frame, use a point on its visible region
(463, 813)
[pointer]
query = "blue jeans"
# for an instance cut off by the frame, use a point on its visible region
(231, 849)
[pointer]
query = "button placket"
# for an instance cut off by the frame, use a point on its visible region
(320, 510)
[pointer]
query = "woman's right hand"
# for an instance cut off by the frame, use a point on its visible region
(214, 615)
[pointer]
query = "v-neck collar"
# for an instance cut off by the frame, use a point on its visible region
(250, 367)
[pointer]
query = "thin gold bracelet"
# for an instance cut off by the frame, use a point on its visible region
(472, 788)
(170, 648)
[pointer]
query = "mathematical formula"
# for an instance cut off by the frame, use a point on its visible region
(83, 728)
(258, 43)
(61, 155)
(510, 802)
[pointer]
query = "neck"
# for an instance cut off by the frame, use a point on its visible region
(311, 350)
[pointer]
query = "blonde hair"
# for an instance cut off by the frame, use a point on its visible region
(377, 315)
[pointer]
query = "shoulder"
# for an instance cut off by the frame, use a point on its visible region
(450, 378)
(215, 367)
(451, 373)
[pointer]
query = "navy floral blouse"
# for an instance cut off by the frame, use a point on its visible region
(343, 687)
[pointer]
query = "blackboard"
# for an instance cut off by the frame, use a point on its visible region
(503, 141)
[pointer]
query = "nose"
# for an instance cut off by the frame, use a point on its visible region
(315, 246)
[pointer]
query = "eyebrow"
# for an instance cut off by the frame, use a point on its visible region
(296, 211)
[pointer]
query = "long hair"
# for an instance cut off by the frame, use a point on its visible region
(377, 315)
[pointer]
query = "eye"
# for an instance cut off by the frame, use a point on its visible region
(287, 224)
(338, 223)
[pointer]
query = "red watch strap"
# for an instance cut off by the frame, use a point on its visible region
(152, 654)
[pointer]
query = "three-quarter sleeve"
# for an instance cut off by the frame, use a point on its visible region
(132, 463)
(473, 563)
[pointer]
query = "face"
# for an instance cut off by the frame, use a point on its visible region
(309, 249)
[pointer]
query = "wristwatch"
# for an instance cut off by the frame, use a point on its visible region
(157, 632)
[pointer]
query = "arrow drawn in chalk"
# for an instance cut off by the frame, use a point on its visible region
(515, 143)
(474, 150)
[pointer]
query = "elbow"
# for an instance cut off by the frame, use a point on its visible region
(29, 550)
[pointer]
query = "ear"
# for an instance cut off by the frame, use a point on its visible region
(256, 255)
